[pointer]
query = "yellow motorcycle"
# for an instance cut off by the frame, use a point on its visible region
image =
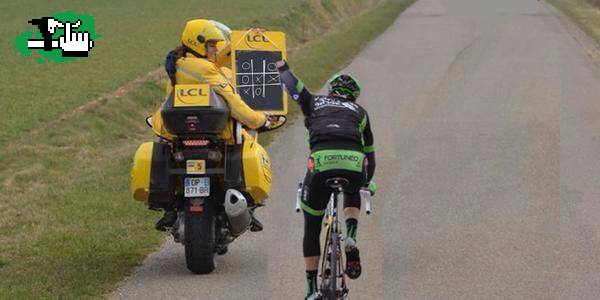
(214, 187)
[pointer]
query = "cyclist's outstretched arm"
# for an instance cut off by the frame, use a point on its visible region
(295, 88)
(369, 147)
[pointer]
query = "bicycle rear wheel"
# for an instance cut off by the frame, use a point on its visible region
(333, 259)
(325, 267)
(331, 268)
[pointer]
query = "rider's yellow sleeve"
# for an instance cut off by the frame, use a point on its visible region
(227, 72)
(194, 70)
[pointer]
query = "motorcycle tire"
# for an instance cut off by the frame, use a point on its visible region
(200, 240)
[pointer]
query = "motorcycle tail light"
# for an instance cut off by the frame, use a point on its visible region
(195, 143)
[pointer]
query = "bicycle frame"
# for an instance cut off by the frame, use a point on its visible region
(333, 238)
(332, 264)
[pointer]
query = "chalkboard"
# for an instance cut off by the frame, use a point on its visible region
(257, 79)
(254, 54)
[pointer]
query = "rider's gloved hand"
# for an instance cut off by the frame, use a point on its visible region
(372, 187)
(282, 65)
(270, 120)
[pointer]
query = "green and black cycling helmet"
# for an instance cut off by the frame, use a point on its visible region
(344, 85)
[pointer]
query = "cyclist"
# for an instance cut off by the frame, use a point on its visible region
(194, 61)
(341, 144)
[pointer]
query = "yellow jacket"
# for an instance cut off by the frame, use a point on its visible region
(191, 70)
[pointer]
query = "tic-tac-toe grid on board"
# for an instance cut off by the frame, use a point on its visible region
(257, 79)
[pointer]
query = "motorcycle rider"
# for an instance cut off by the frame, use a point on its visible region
(341, 144)
(194, 62)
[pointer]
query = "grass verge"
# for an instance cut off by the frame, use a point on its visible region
(134, 41)
(68, 226)
(586, 15)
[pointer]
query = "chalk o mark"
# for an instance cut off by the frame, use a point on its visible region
(246, 66)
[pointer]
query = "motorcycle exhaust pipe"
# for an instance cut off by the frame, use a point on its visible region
(236, 208)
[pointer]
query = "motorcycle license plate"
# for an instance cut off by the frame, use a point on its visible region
(197, 187)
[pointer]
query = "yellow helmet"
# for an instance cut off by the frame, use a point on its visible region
(197, 32)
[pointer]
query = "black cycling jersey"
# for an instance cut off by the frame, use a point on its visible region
(333, 122)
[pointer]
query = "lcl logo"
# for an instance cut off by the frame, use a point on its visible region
(192, 92)
(256, 40)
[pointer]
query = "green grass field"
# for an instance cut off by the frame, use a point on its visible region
(68, 225)
(586, 15)
(135, 37)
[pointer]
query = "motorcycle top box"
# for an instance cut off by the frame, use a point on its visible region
(194, 108)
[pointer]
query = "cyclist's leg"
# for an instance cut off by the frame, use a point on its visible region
(314, 202)
(311, 251)
(352, 201)
(351, 213)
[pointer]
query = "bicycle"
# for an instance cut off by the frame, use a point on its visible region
(333, 276)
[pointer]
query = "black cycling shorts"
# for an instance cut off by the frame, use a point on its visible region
(325, 164)
(322, 165)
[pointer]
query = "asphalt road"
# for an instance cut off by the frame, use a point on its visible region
(487, 132)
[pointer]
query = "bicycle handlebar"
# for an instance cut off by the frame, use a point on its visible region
(298, 197)
(365, 194)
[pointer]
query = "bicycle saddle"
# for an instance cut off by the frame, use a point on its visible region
(337, 182)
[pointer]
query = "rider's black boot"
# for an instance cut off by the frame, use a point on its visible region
(255, 224)
(167, 220)
(221, 249)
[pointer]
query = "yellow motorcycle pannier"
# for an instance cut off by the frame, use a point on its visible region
(248, 169)
(257, 171)
(150, 178)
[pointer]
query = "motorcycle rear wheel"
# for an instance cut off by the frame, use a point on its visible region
(200, 240)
